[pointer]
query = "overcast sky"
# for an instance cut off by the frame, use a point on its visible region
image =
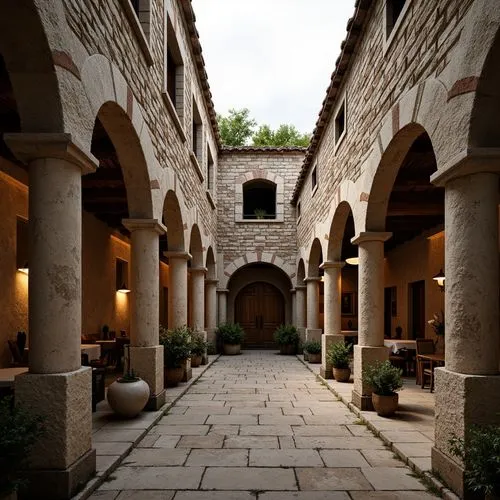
(274, 57)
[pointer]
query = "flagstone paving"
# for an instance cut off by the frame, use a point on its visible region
(260, 426)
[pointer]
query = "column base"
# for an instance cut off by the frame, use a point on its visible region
(461, 401)
(364, 403)
(59, 484)
(156, 401)
(326, 341)
(147, 363)
(313, 334)
(365, 356)
(188, 371)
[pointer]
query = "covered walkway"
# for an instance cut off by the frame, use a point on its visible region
(260, 426)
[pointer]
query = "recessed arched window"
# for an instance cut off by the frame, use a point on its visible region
(259, 199)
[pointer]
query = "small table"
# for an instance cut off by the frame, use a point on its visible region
(435, 359)
(396, 344)
(7, 375)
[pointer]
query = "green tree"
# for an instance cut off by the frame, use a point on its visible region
(284, 135)
(236, 128)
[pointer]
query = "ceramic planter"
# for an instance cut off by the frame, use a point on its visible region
(128, 399)
(196, 361)
(232, 349)
(173, 376)
(288, 349)
(342, 374)
(314, 358)
(385, 406)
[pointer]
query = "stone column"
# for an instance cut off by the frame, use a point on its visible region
(222, 305)
(294, 306)
(370, 346)
(198, 304)
(57, 387)
(146, 355)
(211, 306)
(178, 288)
(300, 310)
(313, 332)
(467, 388)
(332, 330)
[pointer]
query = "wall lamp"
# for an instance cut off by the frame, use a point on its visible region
(24, 268)
(439, 278)
(353, 261)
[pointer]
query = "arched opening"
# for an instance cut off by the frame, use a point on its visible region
(259, 299)
(301, 273)
(196, 247)
(196, 262)
(315, 260)
(210, 264)
(172, 218)
(259, 199)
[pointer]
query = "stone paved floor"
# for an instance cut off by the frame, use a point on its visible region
(260, 426)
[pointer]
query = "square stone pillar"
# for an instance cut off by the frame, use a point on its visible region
(56, 387)
(370, 348)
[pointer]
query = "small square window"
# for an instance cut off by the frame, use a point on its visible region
(340, 123)
(174, 71)
(314, 178)
(210, 170)
(393, 9)
(142, 9)
(197, 133)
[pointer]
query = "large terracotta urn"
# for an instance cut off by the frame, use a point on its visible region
(128, 398)
(385, 406)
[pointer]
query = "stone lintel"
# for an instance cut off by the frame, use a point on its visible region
(144, 224)
(35, 146)
(332, 265)
(468, 162)
(178, 255)
(370, 236)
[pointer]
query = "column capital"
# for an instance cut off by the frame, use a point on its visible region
(370, 236)
(198, 270)
(222, 290)
(313, 278)
(299, 288)
(211, 281)
(328, 264)
(292, 290)
(28, 147)
(147, 224)
(469, 161)
(177, 255)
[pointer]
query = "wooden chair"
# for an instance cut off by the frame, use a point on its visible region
(17, 358)
(424, 367)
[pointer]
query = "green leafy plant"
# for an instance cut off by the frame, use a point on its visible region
(312, 347)
(480, 452)
(129, 375)
(230, 333)
(384, 378)
(198, 344)
(176, 345)
(286, 334)
(19, 431)
(260, 213)
(338, 355)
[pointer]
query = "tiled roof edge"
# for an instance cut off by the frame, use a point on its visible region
(354, 28)
(263, 149)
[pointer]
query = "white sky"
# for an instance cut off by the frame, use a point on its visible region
(274, 57)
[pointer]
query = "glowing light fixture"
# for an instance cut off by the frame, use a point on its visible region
(440, 277)
(123, 289)
(353, 261)
(24, 268)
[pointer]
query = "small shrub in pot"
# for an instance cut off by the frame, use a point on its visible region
(338, 356)
(198, 348)
(313, 349)
(384, 379)
(176, 350)
(288, 338)
(231, 335)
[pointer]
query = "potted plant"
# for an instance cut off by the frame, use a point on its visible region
(129, 394)
(198, 349)
(176, 350)
(313, 349)
(338, 356)
(385, 379)
(287, 337)
(480, 453)
(260, 213)
(231, 335)
(19, 431)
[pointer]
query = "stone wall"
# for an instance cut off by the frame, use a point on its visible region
(109, 28)
(274, 238)
(378, 76)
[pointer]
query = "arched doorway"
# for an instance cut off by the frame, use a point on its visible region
(259, 309)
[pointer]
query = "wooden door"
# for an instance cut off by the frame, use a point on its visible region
(259, 309)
